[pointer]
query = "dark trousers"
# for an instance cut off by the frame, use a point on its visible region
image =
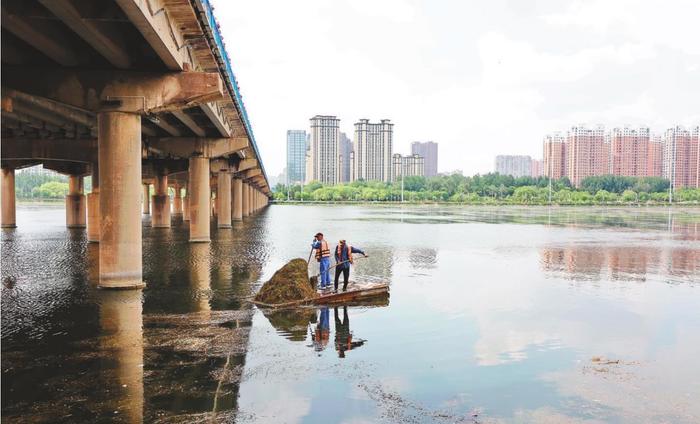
(346, 275)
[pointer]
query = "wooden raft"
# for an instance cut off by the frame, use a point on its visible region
(352, 295)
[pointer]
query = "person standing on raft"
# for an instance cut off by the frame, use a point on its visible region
(343, 260)
(323, 256)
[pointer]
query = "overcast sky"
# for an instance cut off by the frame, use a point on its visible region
(479, 78)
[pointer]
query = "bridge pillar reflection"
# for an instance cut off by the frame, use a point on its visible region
(75, 202)
(121, 324)
(200, 198)
(93, 207)
(161, 202)
(119, 139)
(8, 199)
(223, 197)
(237, 199)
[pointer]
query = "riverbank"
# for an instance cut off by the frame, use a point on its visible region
(483, 203)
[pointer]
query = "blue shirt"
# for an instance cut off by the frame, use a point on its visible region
(344, 255)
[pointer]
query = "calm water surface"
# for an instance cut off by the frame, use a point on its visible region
(495, 315)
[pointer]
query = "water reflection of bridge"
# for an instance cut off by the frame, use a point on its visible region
(132, 93)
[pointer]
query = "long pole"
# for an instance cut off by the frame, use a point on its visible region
(402, 187)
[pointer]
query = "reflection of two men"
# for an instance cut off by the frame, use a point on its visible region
(343, 335)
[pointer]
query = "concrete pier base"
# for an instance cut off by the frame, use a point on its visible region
(237, 199)
(9, 216)
(146, 202)
(186, 208)
(93, 216)
(223, 196)
(75, 203)
(177, 200)
(200, 198)
(161, 203)
(119, 140)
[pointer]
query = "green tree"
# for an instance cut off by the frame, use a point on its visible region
(51, 190)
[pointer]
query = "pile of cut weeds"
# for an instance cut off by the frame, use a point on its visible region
(290, 283)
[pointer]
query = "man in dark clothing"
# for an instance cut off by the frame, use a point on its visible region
(343, 260)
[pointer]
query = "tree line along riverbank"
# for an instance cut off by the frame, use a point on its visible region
(495, 189)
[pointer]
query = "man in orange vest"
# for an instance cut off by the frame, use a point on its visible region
(343, 260)
(323, 256)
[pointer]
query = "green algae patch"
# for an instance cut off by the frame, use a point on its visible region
(290, 283)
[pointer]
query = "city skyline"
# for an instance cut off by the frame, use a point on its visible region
(496, 79)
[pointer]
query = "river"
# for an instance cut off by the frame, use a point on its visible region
(510, 314)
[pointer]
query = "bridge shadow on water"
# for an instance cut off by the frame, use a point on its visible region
(172, 352)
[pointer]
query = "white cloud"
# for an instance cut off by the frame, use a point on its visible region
(481, 79)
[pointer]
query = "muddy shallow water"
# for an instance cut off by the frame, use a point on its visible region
(495, 315)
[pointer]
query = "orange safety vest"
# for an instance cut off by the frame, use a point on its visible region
(323, 251)
(349, 249)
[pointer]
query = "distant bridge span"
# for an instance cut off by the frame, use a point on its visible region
(132, 92)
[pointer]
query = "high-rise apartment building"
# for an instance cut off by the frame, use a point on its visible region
(629, 152)
(536, 168)
(655, 158)
(554, 156)
(324, 151)
(429, 152)
(408, 166)
(587, 153)
(345, 150)
(372, 149)
(516, 166)
(681, 161)
(296, 157)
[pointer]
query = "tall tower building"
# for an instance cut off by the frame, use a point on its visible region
(630, 151)
(429, 152)
(681, 157)
(516, 166)
(325, 149)
(296, 157)
(655, 158)
(372, 148)
(408, 166)
(554, 156)
(345, 150)
(587, 153)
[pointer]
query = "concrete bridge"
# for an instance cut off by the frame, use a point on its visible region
(134, 93)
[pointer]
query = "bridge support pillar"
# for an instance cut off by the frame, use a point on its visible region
(119, 140)
(75, 202)
(146, 203)
(93, 207)
(200, 198)
(237, 200)
(8, 199)
(251, 199)
(186, 203)
(223, 197)
(177, 200)
(246, 199)
(161, 203)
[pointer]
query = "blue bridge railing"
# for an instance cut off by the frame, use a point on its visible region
(238, 99)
